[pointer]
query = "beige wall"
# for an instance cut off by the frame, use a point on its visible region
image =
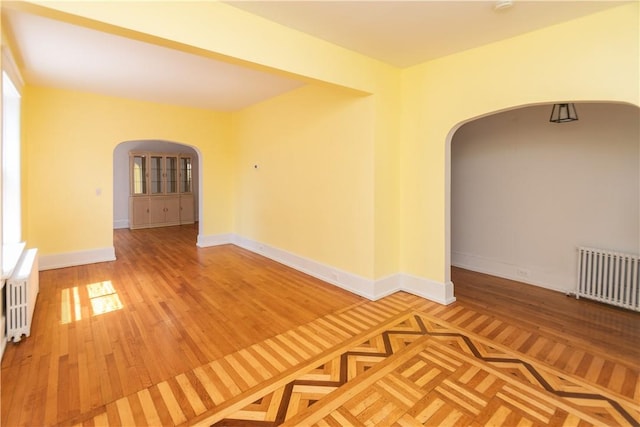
(525, 193)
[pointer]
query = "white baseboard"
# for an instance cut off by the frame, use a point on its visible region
(387, 286)
(518, 273)
(214, 240)
(441, 293)
(120, 223)
(368, 288)
(429, 289)
(345, 280)
(70, 259)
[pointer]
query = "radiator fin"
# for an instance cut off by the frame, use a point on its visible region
(22, 290)
(609, 277)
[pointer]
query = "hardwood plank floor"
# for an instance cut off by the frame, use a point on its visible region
(609, 329)
(182, 307)
(189, 314)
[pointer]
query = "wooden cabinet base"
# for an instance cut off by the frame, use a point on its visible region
(160, 211)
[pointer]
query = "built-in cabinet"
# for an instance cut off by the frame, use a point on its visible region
(161, 189)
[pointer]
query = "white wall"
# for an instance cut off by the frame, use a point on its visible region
(121, 174)
(526, 192)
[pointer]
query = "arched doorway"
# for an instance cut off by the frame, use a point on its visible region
(523, 192)
(121, 175)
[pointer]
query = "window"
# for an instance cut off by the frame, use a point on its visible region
(11, 212)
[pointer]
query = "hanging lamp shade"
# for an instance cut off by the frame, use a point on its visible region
(562, 113)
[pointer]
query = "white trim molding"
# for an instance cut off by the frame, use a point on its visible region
(429, 289)
(441, 293)
(70, 259)
(10, 66)
(345, 280)
(214, 240)
(530, 275)
(120, 223)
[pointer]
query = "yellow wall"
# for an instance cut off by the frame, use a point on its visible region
(393, 142)
(592, 58)
(69, 138)
(312, 193)
(221, 31)
(387, 177)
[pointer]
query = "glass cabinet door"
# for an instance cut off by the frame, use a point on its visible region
(185, 174)
(156, 175)
(171, 173)
(139, 174)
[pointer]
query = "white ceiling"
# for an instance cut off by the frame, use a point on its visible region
(58, 54)
(406, 33)
(401, 33)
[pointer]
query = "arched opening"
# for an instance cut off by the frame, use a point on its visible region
(121, 175)
(524, 193)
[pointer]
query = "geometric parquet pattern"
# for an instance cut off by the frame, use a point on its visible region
(419, 372)
(311, 386)
(243, 376)
(378, 363)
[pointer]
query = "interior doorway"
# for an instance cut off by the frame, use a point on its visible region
(525, 193)
(121, 174)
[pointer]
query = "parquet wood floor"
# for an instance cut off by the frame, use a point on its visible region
(419, 370)
(200, 335)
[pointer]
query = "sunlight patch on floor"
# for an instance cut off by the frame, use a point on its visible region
(102, 296)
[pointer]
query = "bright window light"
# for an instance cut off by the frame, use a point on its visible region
(11, 223)
(102, 296)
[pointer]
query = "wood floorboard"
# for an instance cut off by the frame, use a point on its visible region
(199, 328)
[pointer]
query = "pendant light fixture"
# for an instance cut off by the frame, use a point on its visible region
(563, 113)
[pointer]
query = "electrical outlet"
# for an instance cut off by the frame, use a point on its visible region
(522, 272)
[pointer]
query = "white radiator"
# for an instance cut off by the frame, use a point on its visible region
(22, 290)
(609, 277)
